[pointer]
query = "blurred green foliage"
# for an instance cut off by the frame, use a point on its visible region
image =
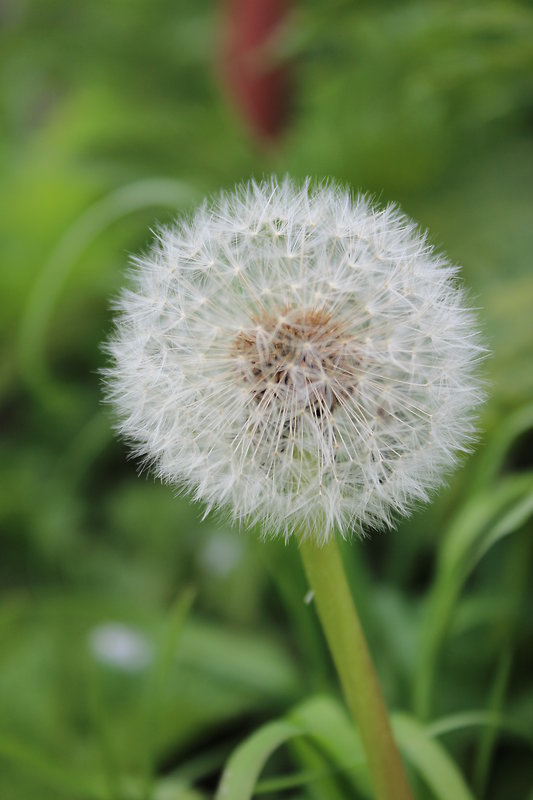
(112, 685)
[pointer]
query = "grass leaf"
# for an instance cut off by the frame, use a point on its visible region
(430, 759)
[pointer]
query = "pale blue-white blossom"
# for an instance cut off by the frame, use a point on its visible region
(297, 356)
(120, 646)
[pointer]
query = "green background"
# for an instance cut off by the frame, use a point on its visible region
(113, 120)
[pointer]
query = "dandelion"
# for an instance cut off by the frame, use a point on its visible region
(308, 362)
(298, 357)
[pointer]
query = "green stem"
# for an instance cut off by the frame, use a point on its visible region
(346, 640)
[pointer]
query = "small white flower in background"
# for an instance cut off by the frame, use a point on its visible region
(221, 554)
(297, 356)
(120, 646)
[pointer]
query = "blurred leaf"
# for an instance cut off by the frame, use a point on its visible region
(486, 517)
(165, 657)
(75, 240)
(493, 458)
(173, 789)
(326, 722)
(244, 767)
(429, 759)
(41, 769)
(468, 719)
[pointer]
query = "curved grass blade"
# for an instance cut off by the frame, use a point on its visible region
(492, 459)
(476, 719)
(90, 224)
(245, 764)
(489, 517)
(430, 759)
(322, 722)
(326, 722)
(63, 780)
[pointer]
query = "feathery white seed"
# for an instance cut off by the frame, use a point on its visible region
(297, 356)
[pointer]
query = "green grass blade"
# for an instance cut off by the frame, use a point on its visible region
(488, 518)
(476, 719)
(324, 723)
(89, 225)
(492, 459)
(430, 759)
(327, 723)
(65, 781)
(244, 767)
(165, 659)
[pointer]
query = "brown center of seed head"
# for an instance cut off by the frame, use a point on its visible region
(299, 359)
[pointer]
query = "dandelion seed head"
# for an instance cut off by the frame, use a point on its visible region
(297, 356)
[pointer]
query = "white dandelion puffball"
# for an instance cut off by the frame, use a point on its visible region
(297, 356)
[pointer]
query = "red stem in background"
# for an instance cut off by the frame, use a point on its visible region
(256, 78)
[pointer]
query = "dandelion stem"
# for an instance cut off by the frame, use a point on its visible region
(346, 640)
